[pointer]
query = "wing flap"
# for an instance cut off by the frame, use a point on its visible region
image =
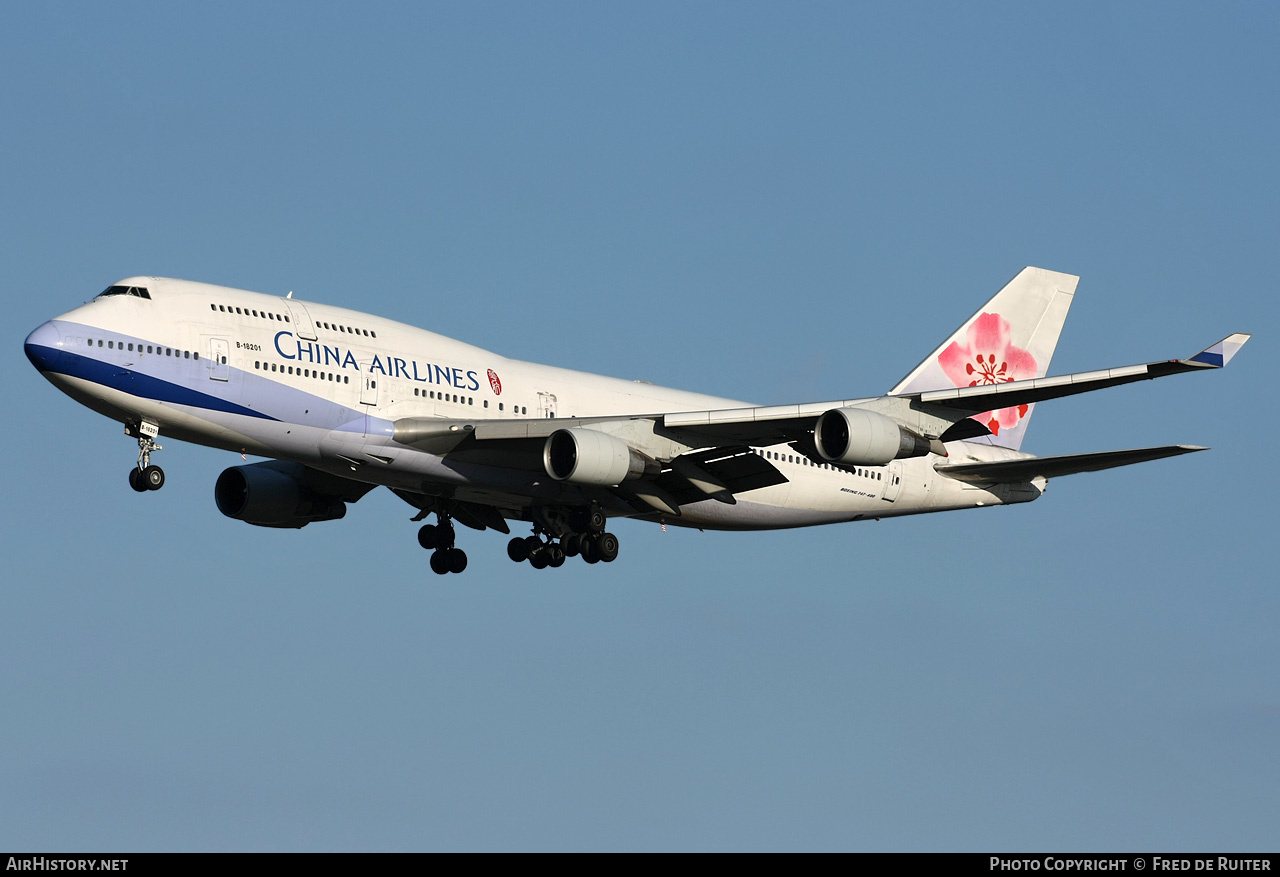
(737, 468)
(1051, 467)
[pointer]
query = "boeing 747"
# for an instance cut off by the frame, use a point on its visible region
(343, 402)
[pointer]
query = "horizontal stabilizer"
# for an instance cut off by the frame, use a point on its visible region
(1051, 467)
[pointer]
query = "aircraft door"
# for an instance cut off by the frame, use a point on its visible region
(219, 368)
(368, 387)
(892, 482)
(302, 324)
(546, 404)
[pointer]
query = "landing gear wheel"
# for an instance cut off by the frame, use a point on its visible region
(607, 545)
(427, 537)
(457, 560)
(555, 556)
(152, 477)
(539, 560)
(439, 562)
(517, 550)
(595, 520)
(590, 551)
(135, 480)
(570, 545)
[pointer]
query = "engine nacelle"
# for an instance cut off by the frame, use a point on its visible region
(270, 495)
(588, 456)
(857, 437)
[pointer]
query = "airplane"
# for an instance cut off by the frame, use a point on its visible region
(342, 402)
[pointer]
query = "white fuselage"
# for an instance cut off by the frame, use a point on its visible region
(322, 385)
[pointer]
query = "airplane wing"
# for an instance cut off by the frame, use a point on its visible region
(974, 400)
(940, 409)
(695, 455)
(1051, 467)
(780, 423)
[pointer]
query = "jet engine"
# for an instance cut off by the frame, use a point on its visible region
(272, 494)
(857, 437)
(588, 456)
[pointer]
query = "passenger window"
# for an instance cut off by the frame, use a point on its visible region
(99, 342)
(149, 350)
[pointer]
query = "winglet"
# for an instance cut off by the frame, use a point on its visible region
(1219, 354)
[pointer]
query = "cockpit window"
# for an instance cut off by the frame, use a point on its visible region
(139, 291)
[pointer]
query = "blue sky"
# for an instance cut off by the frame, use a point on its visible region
(771, 202)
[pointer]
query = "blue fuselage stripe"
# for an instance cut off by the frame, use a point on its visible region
(145, 386)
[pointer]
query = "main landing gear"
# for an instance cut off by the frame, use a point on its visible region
(593, 546)
(445, 558)
(558, 534)
(144, 476)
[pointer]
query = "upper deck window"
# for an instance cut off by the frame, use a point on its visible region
(138, 291)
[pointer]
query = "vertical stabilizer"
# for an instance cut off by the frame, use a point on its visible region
(1011, 338)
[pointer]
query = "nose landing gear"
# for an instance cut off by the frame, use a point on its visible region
(144, 476)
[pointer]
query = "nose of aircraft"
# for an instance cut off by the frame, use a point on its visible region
(44, 347)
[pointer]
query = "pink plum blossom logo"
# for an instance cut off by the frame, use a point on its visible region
(989, 358)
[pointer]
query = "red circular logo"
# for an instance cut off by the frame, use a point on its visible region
(495, 383)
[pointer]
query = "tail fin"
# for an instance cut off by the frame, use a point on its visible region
(1011, 338)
